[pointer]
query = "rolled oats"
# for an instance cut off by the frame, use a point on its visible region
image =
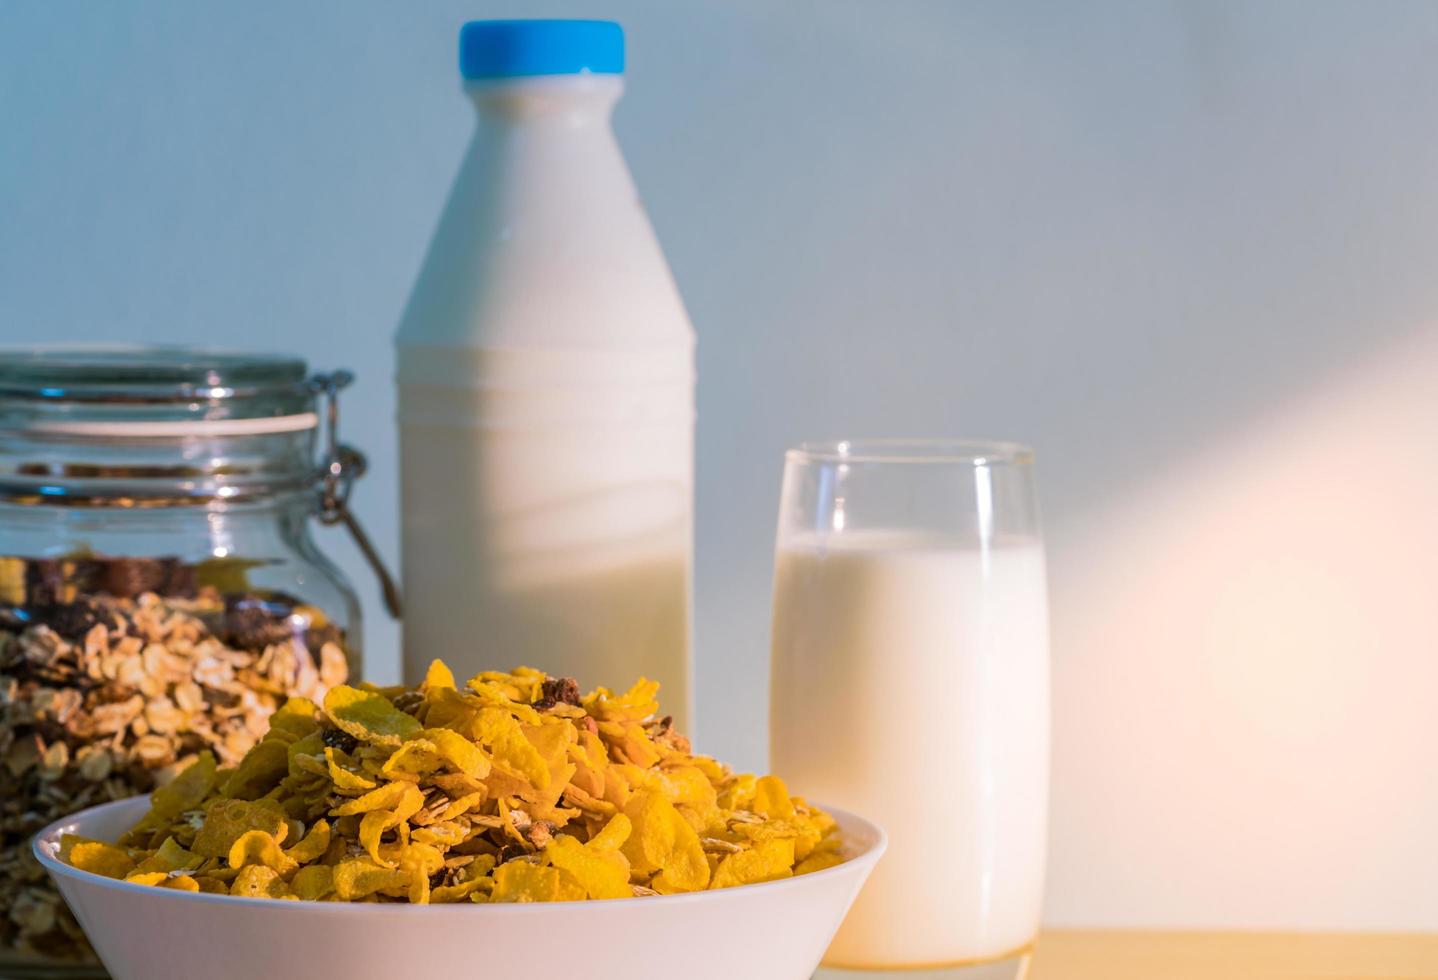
(103, 698)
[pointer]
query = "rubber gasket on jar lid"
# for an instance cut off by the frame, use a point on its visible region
(184, 427)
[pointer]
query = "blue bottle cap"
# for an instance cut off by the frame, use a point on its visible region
(519, 48)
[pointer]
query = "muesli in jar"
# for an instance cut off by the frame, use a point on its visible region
(161, 591)
(106, 693)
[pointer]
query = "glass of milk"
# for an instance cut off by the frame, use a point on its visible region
(911, 685)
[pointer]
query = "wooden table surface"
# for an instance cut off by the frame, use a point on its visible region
(1080, 954)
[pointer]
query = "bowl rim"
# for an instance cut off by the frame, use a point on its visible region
(48, 838)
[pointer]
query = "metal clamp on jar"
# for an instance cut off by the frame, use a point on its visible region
(160, 592)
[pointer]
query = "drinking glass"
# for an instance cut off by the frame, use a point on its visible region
(910, 684)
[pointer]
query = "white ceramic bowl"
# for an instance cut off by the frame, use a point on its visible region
(773, 931)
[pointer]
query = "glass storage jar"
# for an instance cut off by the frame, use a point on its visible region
(160, 592)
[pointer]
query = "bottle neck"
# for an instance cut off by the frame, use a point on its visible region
(573, 101)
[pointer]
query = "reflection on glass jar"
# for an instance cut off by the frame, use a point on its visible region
(160, 592)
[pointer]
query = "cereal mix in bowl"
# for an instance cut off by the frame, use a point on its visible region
(510, 788)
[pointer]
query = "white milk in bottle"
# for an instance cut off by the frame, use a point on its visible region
(546, 399)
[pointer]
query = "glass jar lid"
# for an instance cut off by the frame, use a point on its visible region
(133, 383)
(154, 426)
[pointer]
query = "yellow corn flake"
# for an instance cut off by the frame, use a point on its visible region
(69, 841)
(614, 834)
(314, 882)
(294, 721)
(771, 798)
(444, 707)
(419, 862)
(737, 792)
(522, 686)
(95, 856)
(371, 831)
(818, 861)
(551, 741)
(462, 892)
(652, 838)
(360, 877)
(159, 879)
(187, 790)
(522, 881)
(415, 758)
(792, 828)
(633, 746)
(462, 805)
(440, 834)
(687, 786)
(306, 755)
(368, 716)
(226, 821)
(147, 878)
(636, 704)
(462, 755)
(502, 790)
(663, 843)
(259, 771)
(501, 734)
(169, 856)
(311, 764)
(695, 797)
(438, 676)
(821, 821)
(383, 798)
(258, 847)
(715, 771)
(345, 779)
(313, 845)
(767, 861)
(258, 881)
(410, 803)
(581, 800)
(375, 822)
(603, 872)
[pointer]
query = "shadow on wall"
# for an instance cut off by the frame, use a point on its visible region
(1119, 233)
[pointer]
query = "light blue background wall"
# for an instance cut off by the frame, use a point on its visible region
(1132, 234)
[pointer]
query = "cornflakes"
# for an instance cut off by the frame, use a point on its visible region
(92, 855)
(513, 788)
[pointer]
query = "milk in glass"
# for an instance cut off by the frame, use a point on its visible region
(910, 684)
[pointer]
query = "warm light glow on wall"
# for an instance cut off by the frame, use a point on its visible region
(1246, 671)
